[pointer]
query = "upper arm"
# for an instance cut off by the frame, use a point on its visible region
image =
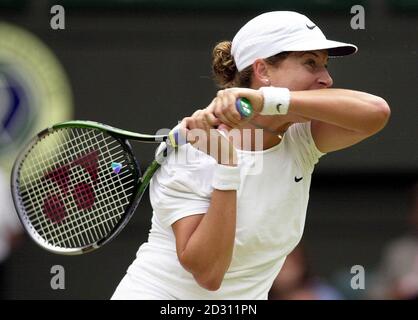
(329, 137)
(183, 230)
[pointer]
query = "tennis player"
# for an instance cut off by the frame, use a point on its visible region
(219, 230)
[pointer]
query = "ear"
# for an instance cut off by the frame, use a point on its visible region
(261, 72)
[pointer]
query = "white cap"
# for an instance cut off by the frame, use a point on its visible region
(273, 32)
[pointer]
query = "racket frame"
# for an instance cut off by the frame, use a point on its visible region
(141, 182)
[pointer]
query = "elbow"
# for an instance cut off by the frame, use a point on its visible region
(209, 281)
(383, 110)
(380, 114)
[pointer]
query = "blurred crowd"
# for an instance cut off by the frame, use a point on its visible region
(296, 281)
(397, 273)
(394, 278)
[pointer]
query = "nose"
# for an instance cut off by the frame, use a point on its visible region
(325, 79)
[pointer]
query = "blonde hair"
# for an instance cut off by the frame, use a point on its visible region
(225, 72)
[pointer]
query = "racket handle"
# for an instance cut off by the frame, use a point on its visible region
(173, 138)
(243, 106)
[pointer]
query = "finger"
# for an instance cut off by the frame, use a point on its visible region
(211, 119)
(191, 123)
(227, 102)
(201, 123)
(219, 112)
(231, 112)
(209, 114)
(199, 120)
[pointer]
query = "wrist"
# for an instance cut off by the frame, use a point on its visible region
(276, 101)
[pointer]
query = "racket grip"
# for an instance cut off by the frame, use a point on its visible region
(244, 107)
(174, 138)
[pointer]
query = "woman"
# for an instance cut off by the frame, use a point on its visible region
(220, 228)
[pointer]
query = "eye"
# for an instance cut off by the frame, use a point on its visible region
(311, 63)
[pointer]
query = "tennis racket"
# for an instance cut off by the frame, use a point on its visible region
(76, 184)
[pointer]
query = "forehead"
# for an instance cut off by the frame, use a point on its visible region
(322, 54)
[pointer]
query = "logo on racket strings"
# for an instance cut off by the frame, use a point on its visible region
(82, 193)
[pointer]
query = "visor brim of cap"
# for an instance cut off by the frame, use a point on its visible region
(335, 48)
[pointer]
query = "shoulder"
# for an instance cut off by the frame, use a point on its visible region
(300, 143)
(299, 131)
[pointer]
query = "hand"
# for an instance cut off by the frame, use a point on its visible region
(200, 130)
(224, 108)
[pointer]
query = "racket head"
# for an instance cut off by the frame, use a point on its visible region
(75, 186)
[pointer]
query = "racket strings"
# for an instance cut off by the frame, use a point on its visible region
(50, 157)
(91, 236)
(82, 225)
(101, 220)
(80, 222)
(105, 197)
(45, 224)
(46, 228)
(123, 176)
(105, 203)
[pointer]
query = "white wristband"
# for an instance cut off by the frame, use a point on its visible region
(226, 177)
(276, 100)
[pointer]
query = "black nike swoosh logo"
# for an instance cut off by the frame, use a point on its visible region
(278, 108)
(298, 179)
(311, 27)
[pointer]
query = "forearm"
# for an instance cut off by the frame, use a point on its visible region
(352, 110)
(208, 252)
